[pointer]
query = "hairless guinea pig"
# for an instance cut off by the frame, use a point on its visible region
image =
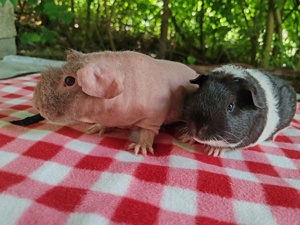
(235, 107)
(115, 89)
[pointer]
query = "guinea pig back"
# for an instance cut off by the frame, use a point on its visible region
(236, 107)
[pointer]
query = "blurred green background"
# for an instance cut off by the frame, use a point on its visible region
(261, 33)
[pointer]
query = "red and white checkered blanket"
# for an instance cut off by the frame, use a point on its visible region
(52, 174)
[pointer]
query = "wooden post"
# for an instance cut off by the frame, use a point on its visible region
(7, 30)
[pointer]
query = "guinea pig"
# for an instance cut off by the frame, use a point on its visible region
(235, 107)
(115, 90)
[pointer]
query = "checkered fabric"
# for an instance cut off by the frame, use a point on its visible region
(52, 174)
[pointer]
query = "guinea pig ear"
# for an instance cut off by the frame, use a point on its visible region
(199, 80)
(99, 81)
(257, 95)
(73, 55)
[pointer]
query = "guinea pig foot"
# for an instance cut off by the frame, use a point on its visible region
(276, 134)
(214, 151)
(137, 148)
(98, 128)
(274, 137)
(145, 142)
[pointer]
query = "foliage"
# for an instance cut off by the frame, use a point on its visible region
(14, 2)
(201, 32)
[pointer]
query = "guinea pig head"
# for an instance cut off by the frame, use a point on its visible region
(224, 110)
(66, 93)
(56, 93)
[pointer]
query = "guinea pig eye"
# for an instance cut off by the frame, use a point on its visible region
(69, 81)
(230, 107)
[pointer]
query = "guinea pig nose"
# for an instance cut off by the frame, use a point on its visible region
(69, 81)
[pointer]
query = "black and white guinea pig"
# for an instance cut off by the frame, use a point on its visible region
(235, 107)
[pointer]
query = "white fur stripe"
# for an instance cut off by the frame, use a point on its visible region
(231, 69)
(272, 102)
(221, 144)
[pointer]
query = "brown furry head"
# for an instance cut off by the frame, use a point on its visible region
(57, 93)
(63, 94)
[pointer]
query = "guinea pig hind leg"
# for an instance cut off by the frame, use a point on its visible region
(100, 129)
(276, 134)
(145, 142)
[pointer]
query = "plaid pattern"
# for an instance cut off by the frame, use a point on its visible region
(52, 174)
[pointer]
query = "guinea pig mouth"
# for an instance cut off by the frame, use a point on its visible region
(200, 134)
(46, 116)
(58, 118)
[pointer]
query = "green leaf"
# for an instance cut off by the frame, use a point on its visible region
(191, 60)
(66, 18)
(32, 2)
(14, 2)
(47, 36)
(51, 9)
(30, 38)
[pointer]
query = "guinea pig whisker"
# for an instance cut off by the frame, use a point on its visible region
(224, 140)
(240, 141)
(232, 135)
(183, 132)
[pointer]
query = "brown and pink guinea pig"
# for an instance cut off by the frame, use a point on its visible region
(235, 107)
(115, 90)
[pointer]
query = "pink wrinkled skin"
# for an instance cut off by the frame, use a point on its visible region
(125, 90)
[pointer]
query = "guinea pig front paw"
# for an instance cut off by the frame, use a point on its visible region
(137, 148)
(144, 144)
(98, 128)
(215, 151)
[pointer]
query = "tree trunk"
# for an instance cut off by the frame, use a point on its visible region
(265, 62)
(297, 59)
(202, 33)
(254, 39)
(87, 24)
(73, 11)
(98, 12)
(72, 6)
(108, 19)
(164, 30)
(88, 15)
(278, 29)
